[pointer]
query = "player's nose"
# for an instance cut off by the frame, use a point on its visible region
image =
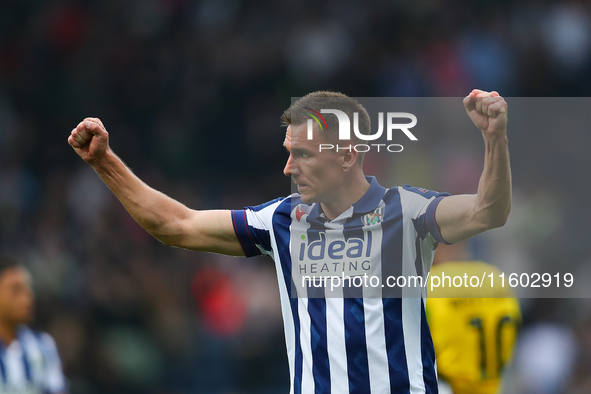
(287, 169)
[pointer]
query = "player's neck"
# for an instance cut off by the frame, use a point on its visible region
(350, 193)
(7, 332)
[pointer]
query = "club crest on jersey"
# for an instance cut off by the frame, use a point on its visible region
(374, 217)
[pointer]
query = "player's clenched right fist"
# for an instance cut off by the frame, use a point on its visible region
(90, 140)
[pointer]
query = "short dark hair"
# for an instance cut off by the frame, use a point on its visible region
(7, 263)
(324, 99)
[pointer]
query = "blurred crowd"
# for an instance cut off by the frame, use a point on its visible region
(191, 93)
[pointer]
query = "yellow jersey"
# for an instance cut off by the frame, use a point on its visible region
(474, 329)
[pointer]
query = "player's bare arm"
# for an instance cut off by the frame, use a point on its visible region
(166, 219)
(463, 216)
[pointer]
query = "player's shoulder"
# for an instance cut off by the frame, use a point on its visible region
(40, 338)
(292, 201)
(420, 191)
(267, 205)
(276, 210)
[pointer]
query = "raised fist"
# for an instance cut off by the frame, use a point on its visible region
(90, 140)
(488, 111)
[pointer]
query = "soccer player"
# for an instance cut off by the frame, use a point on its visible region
(474, 329)
(29, 361)
(341, 220)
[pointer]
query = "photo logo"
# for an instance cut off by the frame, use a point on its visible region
(345, 129)
(317, 121)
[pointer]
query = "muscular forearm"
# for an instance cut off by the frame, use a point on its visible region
(493, 199)
(166, 219)
(157, 213)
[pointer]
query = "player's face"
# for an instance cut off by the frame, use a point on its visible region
(318, 175)
(16, 296)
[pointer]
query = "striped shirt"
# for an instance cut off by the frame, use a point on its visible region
(30, 364)
(351, 339)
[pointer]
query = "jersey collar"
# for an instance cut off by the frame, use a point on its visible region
(371, 199)
(369, 202)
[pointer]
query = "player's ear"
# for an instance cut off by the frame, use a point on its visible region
(349, 158)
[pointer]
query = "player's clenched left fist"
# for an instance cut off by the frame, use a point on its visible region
(488, 111)
(90, 140)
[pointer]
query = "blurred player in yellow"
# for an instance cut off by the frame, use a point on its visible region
(474, 329)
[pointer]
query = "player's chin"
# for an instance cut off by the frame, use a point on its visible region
(307, 197)
(26, 316)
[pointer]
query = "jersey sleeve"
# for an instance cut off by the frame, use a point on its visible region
(54, 380)
(421, 204)
(253, 226)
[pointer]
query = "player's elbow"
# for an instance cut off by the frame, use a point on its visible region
(185, 232)
(166, 239)
(174, 229)
(170, 234)
(496, 220)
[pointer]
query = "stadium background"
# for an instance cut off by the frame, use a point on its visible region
(191, 93)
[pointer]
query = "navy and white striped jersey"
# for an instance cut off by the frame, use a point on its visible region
(30, 364)
(352, 340)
